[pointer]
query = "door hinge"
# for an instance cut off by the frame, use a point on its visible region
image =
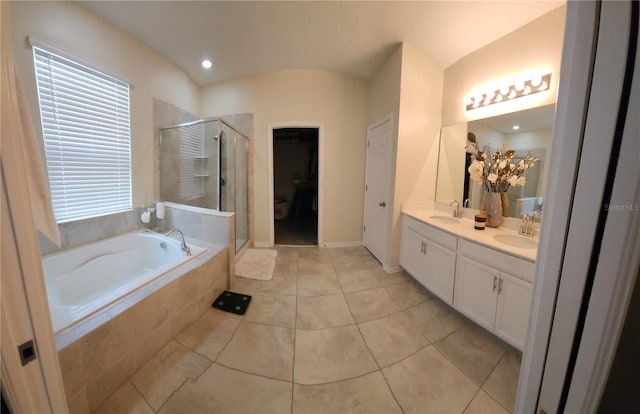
(366, 188)
(368, 144)
(27, 352)
(364, 228)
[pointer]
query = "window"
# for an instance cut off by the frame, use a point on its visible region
(87, 137)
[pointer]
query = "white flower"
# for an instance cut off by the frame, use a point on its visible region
(492, 177)
(513, 180)
(521, 181)
(476, 170)
(502, 164)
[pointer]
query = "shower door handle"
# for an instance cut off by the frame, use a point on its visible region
(382, 204)
(223, 180)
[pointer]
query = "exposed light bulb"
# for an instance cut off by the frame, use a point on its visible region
(207, 64)
(527, 90)
(504, 90)
(519, 85)
(516, 127)
(543, 87)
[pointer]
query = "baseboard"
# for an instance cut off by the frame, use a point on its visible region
(261, 245)
(391, 269)
(357, 243)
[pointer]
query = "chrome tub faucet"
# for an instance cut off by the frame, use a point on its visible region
(183, 245)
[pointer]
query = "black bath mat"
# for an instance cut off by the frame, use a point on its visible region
(232, 302)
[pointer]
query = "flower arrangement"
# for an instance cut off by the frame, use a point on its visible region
(496, 172)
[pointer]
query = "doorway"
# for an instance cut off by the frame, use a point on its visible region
(295, 186)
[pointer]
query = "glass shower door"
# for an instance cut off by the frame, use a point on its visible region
(241, 192)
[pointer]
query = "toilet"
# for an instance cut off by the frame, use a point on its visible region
(280, 209)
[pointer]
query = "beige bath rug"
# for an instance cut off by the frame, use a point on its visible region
(257, 264)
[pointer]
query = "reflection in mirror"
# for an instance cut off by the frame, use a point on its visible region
(533, 134)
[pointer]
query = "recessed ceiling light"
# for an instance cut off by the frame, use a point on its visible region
(207, 64)
(516, 127)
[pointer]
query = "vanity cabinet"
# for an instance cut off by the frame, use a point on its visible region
(429, 255)
(494, 290)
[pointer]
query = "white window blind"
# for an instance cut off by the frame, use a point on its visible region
(191, 162)
(87, 137)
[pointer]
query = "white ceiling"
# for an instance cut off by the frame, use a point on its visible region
(352, 37)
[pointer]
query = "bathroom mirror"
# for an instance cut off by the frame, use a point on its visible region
(524, 131)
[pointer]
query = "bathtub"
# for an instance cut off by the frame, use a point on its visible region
(82, 281)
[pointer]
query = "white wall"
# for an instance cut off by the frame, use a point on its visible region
(418, 136)
(535, 46)
(337, 101)
(409, 85)
(76, 31)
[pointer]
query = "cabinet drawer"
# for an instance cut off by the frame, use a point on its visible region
(438, 236)
(504, 262)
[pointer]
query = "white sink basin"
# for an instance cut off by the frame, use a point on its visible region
(445, 219)
(516, 241)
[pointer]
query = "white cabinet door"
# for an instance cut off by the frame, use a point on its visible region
(476, 291)
(377, 200)
(412, 257)
(512, 317)
(439, 271)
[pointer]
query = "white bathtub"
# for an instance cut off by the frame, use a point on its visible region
(86, 279)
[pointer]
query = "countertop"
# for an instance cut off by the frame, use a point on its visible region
(465, 230)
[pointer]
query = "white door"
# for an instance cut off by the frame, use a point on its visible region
(512, 316)
(412, 254)
(476, 291)
(440, 269)
(377, 200)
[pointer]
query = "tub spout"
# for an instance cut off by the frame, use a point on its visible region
(183, 246)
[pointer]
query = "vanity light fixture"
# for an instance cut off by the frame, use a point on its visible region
(538, 83)
(206, 63)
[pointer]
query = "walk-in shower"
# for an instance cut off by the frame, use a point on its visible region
(204, 164)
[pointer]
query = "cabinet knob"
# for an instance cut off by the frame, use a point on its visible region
(495, 282)
(500, 287)
(382, 204)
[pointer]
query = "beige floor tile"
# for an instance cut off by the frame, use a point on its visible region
(482, 403)
(435, 319)
(472, 349)
(349, 252)
(350, 263)
(270, 309)
(166, 372)
(370, 304)
(315, 265)
(318, 312)
(224, 390)
(388, 279)
(331, 354)
(368, 394)
(78, 403)
(392, 338)
(408, 294)
(286, 265)
(318, 284)
(280, 283)
(357, 280)
(209, 334)
(502, 384)
(125, 400)
(262, 350)
(427, 383)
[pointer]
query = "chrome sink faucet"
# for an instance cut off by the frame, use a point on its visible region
(183, 246)
(526, 226)
(456, 213)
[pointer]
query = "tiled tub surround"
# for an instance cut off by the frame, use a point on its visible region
(332, 332)
(100, 353)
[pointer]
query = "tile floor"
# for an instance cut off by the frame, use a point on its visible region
(330, 333)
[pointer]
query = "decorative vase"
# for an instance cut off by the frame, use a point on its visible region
(491, 205)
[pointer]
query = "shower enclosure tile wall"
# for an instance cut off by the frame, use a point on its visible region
(204, 164)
